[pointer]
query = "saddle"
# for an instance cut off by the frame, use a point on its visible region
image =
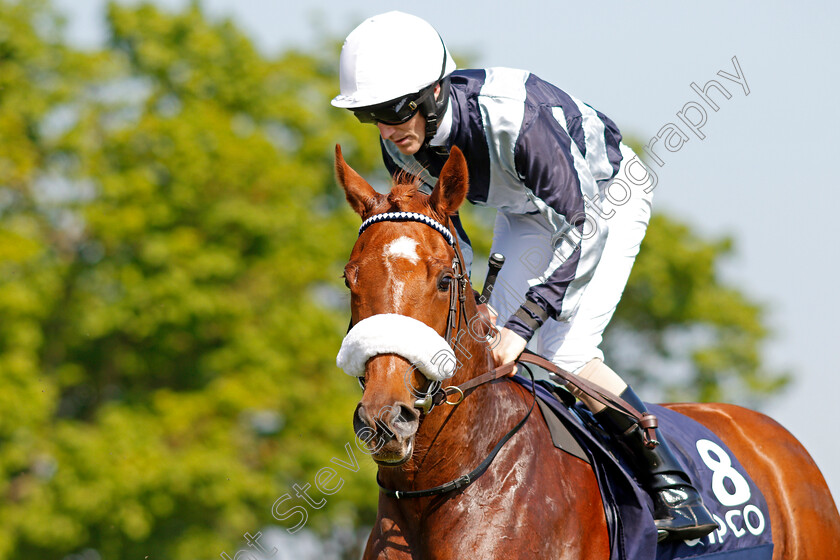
(733, 498)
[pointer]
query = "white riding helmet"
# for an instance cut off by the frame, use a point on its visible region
(389, 56)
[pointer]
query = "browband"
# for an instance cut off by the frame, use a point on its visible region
(409, 217)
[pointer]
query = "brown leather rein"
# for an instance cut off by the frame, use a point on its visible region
(647, 421)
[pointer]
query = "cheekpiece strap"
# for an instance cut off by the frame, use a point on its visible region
(409, 217)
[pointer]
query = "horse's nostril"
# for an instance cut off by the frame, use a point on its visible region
(406, 422)
(408, 413)
(362, 420)
(398, 420)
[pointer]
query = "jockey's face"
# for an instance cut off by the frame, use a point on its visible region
(409, 136)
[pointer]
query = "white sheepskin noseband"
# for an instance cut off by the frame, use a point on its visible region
(390, 333)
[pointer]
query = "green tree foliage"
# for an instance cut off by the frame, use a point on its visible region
(171, 242)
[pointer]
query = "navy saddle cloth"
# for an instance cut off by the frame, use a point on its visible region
(733, 498)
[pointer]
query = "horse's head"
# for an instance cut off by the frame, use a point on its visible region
(405, 278)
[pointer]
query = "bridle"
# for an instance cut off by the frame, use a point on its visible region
(435, 394)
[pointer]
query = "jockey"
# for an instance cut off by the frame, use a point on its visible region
(573, 203)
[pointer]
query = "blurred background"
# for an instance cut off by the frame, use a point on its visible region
(172, 240)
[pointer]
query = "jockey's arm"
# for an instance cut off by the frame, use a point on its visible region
(559, 183)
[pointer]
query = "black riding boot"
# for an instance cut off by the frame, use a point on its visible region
(679, 512)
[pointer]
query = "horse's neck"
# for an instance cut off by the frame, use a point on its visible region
(453, 441)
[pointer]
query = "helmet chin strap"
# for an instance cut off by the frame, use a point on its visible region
(434, 109)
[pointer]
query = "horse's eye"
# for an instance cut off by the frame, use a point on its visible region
(444, 282)
(346, 283)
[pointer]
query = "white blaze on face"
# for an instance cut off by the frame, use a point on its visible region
(404, 247)
(400, 248)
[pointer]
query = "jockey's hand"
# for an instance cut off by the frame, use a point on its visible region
(508, 349)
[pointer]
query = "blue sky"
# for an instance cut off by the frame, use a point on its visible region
(763, 172)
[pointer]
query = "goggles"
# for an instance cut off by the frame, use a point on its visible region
(396, 111)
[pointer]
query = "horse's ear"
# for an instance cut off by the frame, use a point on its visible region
(452, 185)
(360, 195)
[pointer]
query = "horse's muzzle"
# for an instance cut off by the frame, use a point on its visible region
(388, 434)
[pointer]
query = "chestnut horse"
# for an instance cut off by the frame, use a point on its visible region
(534, 500)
